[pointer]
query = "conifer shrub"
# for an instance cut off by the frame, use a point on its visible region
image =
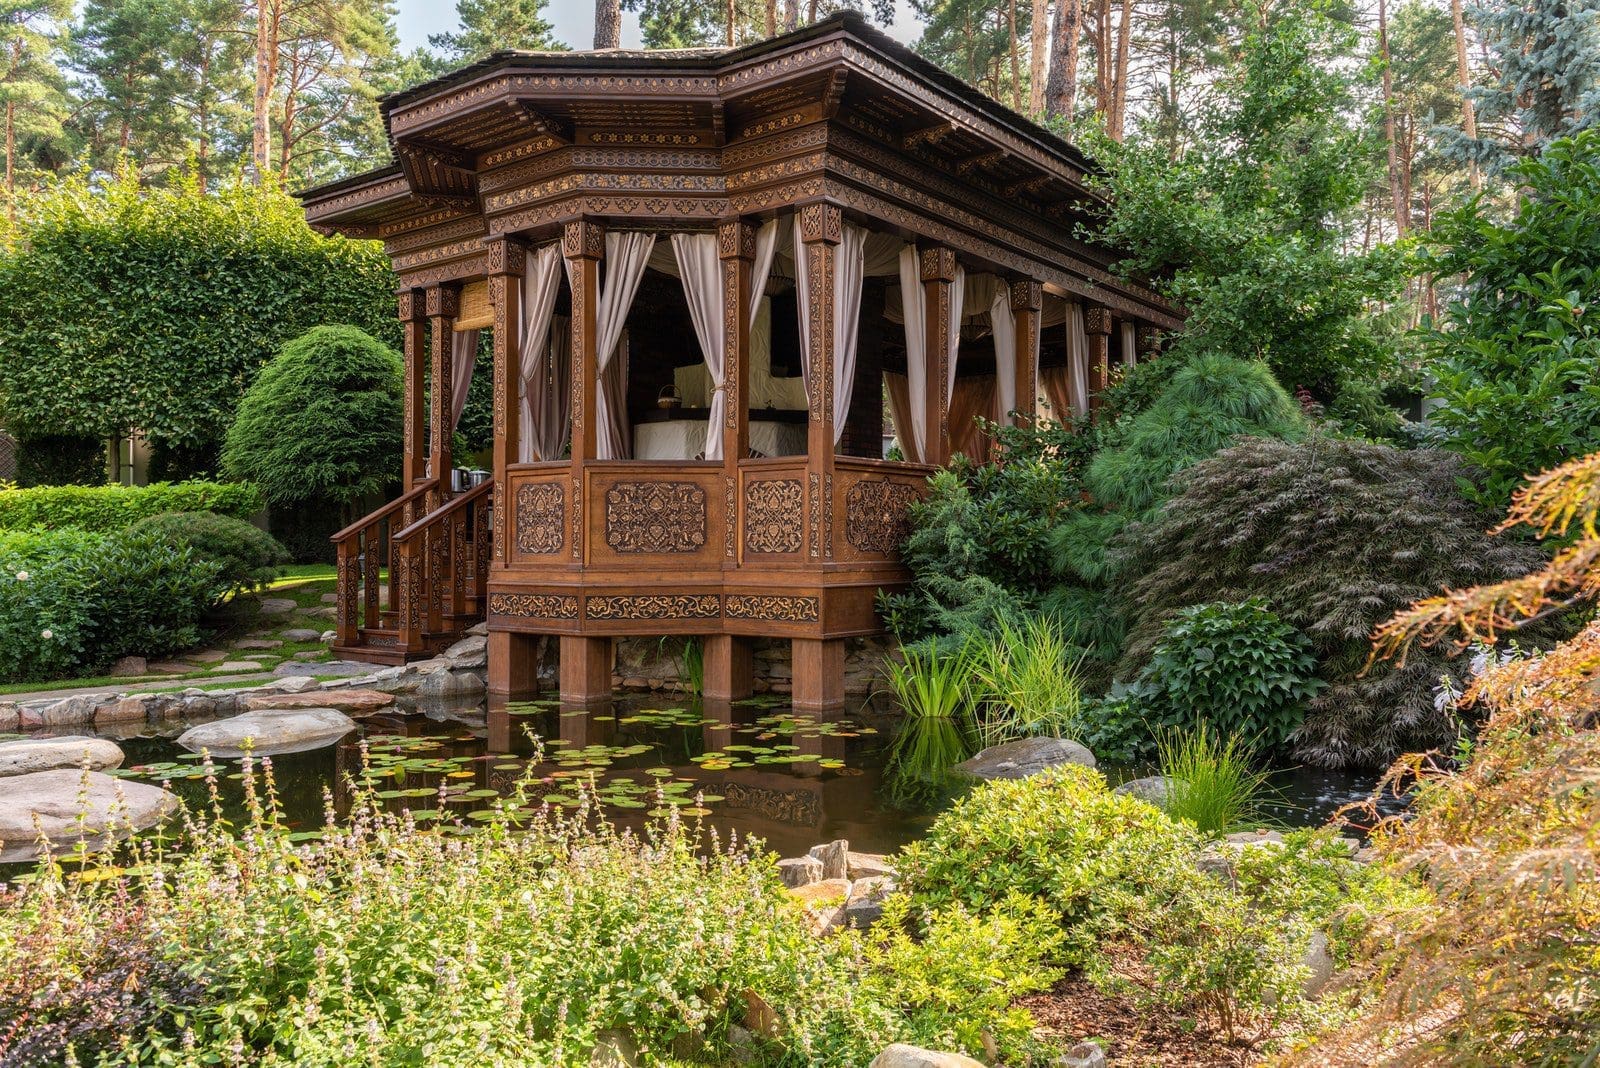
(245, 554)
(1335, 535)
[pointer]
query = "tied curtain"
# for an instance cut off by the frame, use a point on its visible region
(915, 313)
(1003, 329)
(1067, 388)
(544, 361)
(849, 272)
(700, 269)
(463, 355)
(1129, 339)
(627, 256)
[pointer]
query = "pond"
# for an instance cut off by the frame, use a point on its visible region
(754, 768)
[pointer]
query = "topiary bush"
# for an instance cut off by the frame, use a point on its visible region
(245, 554)
(1335, 535)
(110, 508)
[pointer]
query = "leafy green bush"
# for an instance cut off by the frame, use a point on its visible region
(245, 555)
(1235, 668)
(153, 306)
(1335, 536)
(60, 460)
(109, 508)
(1517, 355)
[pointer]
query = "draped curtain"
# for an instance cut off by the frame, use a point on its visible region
(898, 388)
(913, 429)
(849, 272)
(1077, 362)
(1003, 324)
(544, 362)
(463, 355)
(1129, 338)
(627, 256)
(973, 396)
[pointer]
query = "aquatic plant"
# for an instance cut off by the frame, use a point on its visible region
(1210, 780)
(933, 677)
(920, 758)
(1027, 681)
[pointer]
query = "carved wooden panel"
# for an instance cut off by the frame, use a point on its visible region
(653, 606)
(875, 515)
(541, 518)
(656, 517)
(778, 607)
(773, 515)
(534, 605)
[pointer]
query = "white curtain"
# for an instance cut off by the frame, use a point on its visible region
(1077, 361)
(958, 304)
(1129, 353)
(627, 256)
(463, 355)
(914, 433)
(1004, 326)
(543, 363)
(849, 265)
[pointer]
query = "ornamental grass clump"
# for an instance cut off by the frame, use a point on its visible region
(1028, 682)
(1210, 780)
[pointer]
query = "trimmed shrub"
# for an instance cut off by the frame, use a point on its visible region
(60, 460)
(109, 508)
(245, 555)
(1335, 536)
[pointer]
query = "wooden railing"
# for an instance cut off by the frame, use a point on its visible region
(363, 550)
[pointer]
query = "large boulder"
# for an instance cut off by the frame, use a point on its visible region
(1025, 757)
(452, 686)
(1152, 788)
(26, 755)
(350, 702)
(901, 1055)
(66, 804)
(269, 732)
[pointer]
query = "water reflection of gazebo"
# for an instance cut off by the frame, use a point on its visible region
(706, 275)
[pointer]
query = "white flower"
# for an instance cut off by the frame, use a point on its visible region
(22, 576)
(47, 634)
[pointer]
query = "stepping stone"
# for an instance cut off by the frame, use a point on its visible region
(277, 606)
(350, 702)
(269, 732)
(68, 804)
(209, 656)
(27, 755)
(258, 643)
(129, 666)
(342, 669)
(302, 634)
(239, 665)
(170, 667)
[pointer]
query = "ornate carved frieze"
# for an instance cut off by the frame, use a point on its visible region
(541, 518)
(875, 515)
(773, 515)
(656, 517)
(377, 192)
(814, 516)
(653, 606)
(533, 605)
(639, 184)
(509, 86)
(504, 257)
(452, 271)
(781, 608)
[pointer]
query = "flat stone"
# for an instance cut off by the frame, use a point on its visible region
(1218, 859)
(330, 598)
(799, 871)
(209, 656)
(170, 667)
(130, 709)
(129, 666)
(1025, 757)
(277, 606)
(901, 1055)
(864, 906)
(66, 804)
(269, 732)
(350, 702)
(10, 715)
(473, 645)
(339, 668)
(239, 665)
(869, 865)
(72, 711)
(1151, 788)
(27, 755)
(452, 684)
(302, 634)
(1082, 1055)
(823, 903)
(328, 636)
(292, 684)
(325, 612)
(479, 628)
(258, 643)
(835, 858)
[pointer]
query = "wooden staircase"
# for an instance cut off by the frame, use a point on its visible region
(413, 576)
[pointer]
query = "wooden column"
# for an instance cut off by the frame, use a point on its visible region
(1147, 342)
(513, 663)
(938, 272)
(728, 669)
(1027, 298)
(1097, 324)
(414, 328)
(585, 666)
(443, 304)
(818, 667)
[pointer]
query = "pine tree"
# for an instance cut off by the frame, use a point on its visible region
(32, 90)
(211, 83)
(123, 51)
(496, 25)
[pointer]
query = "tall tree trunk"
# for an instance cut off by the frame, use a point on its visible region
(728, 16)
(791, 15)
(1016, 58)
(1174, 65)
(1100, 41)
(1397, 197)
(1061, 93)
(607, 24)
(1119, 85)
(1469, 113)
(266, 75)
(202, 150)
(1038, 48)
(772, 18)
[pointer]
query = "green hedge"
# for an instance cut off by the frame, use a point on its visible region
(110, 508)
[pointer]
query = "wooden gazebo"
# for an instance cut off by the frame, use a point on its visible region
(706, 274)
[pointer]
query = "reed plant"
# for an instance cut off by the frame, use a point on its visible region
(1027, 681)
(934, 678)
(1211, 780)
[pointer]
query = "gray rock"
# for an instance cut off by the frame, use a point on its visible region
(835, 858)
(1151, 788)
(129, 665)
(901, 1055)
(479, 628)
(614, 1048)
(1025, 757)
(67, 804)
(473, 645)
(743, 1046)
(452, 685)
(302, 634)
(868, 865)
(71, 711)
(351, 702)
(342, 668)
(823, 903)
(799, 871)
(258, 644)
(1083, 1055)
(209, 656)
(295, 684)
(239, 665)
(1218, 859)
(864, 906)
(269, 732)
(328, 636)
(130, 709)
(26, 755)
(1318, 960)
(10, 715)
(277, 606)
(330, 598)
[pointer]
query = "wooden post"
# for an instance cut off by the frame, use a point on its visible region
(818, 668)
(443, 304)
(1147, 342)
(414, 327)
(728, 669)
(1027, 298)
(585, 666)
(1097, 324)
(938, 272)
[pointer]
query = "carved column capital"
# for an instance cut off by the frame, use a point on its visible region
(1026, 295)
(736, 240)
(443, 301)
(412, 306)
(1096, 319)
(938, 263)
(1147, 340)
(505, 257)
(583, 239)
(821, 222)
